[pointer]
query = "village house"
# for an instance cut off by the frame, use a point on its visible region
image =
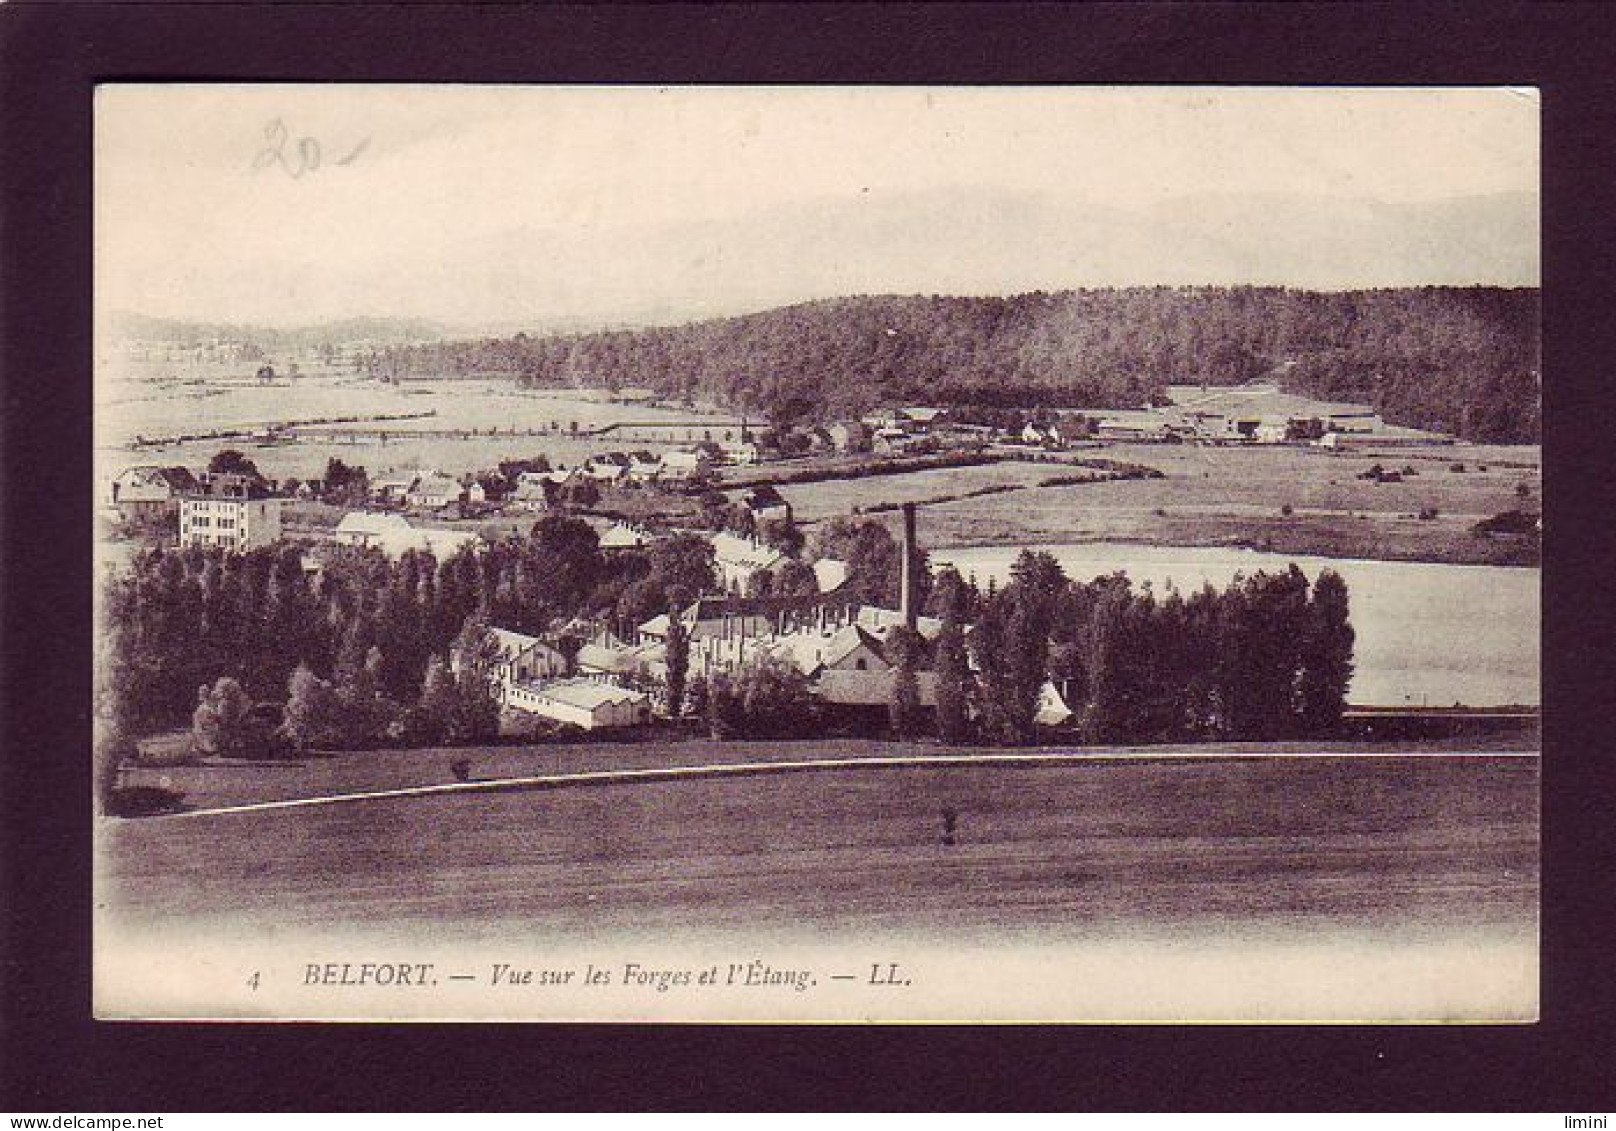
(1260, 411)
(624, 536)
(643, 467)
(232, 512)
(536, 491)
(737, 560)
(740, 452)
(392, 489)
(890, 441)
(1137, 425)
(608, 469)
(365, 528)
(683, 466)
(1048, 435)
(922, 417)
(849, 436)
(144, 493)
(433, 491)
(523, 658)
(766, 503)
(885, 419)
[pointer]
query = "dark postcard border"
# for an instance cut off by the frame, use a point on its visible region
(54, 1058)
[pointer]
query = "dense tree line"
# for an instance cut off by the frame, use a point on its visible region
(1268, 657)
(359, 651)
(179, 619)
(1462, 360)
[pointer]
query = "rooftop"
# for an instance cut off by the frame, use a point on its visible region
(589, 694)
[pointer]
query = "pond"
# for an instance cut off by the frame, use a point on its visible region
(1428, 634)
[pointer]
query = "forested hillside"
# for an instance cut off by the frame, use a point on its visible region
(1462, 360)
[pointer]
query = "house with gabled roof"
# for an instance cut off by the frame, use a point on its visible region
(365, 528)
(765, 503)
(149, 492)
(433, 491)
(519, 658)
(681, 466)
(394, 487)
(736, 560)
(609, 467)
(624, 536)
(643, 467)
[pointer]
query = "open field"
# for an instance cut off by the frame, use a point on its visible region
(1208, 496)
(1434, 843)
(233, 399)
(222, 784)
(1219, 497)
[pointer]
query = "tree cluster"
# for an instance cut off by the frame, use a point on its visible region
(1268, 657)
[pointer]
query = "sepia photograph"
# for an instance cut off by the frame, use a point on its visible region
(837, 554)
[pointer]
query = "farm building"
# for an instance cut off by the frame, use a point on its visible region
(1133, 424)
(536, 490)
(643, 467)
(740, 452)
(583, 703)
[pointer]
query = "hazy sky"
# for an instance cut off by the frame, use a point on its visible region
(486, 204)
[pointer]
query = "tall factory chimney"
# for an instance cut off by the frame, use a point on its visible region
(906, 567)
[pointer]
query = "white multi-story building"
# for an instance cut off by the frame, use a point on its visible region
(231, 512)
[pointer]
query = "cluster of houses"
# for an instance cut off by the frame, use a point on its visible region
(1258, 412)
(1255, 413)
(843, 649)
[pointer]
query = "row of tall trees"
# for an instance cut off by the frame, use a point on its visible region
(1458, 359)
(358, 651)
(181, 618)
(1267, 657)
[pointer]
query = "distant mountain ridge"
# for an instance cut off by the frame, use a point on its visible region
(131, 326)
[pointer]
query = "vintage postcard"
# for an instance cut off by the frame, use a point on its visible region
(835, 554)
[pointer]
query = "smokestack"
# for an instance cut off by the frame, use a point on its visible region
(906, 600)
